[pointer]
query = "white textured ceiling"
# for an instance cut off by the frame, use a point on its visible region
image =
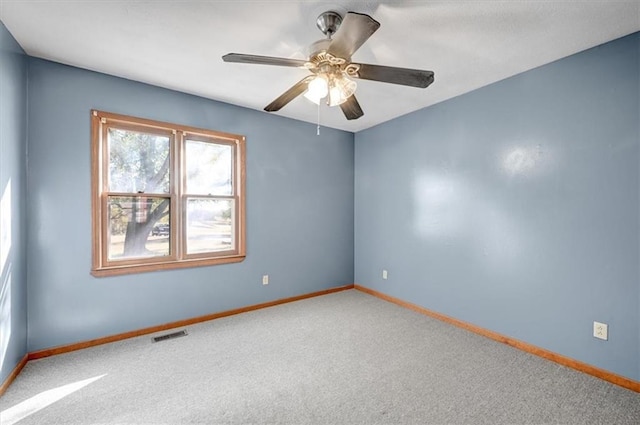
(178, 44)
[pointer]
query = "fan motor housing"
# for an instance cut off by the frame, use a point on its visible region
(318, 47)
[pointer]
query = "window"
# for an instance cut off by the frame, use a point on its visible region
(164, 196)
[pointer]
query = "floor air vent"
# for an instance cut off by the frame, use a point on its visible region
(169, 336)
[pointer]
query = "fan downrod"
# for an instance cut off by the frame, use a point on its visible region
(329, 22)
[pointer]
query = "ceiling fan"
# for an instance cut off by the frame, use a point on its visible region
(331, 68)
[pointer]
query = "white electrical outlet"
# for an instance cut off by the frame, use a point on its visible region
(601, 330)
(384, 274)
(265, 279)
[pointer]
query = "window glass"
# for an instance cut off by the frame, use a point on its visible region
(208, 168)
(138, 162)
(138, 227)
(209, 225)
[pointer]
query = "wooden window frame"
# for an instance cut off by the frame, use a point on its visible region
(178, 257)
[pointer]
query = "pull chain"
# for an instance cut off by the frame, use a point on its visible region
(318, 129)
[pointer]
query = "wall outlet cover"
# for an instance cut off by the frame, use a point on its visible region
(601, 330)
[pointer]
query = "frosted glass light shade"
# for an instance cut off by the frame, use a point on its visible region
(317, 89)
(341, 88)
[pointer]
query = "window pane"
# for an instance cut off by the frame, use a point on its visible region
(209, 168)
(138, 162)
(209, 225)
(138, 227)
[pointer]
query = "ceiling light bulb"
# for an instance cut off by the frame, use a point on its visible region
(341, 89)
(317, 89)
(335, 96)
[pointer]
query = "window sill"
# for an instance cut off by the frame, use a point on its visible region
(169, 265)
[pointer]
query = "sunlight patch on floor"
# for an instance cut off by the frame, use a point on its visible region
(38, 402)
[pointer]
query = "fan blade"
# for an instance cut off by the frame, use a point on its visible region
(356, 28)
(263, 60)
(351, 108)
(390, 74)
(289, 95)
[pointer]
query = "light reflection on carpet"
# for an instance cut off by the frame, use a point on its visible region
(38, 402)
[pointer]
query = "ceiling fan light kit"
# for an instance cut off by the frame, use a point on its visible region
(333, 73)
(335, 88)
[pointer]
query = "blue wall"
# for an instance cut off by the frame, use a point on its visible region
(13, 136)
(516, 207)
(299, 211)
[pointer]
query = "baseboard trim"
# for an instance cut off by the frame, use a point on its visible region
(180, 323)
(524, 346)
(61, 349)
(14, 373)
